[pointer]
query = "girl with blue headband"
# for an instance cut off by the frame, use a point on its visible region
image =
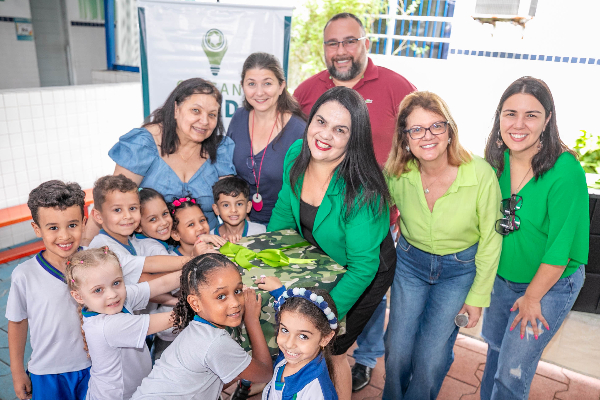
(306, 326)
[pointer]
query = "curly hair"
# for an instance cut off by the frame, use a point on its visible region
(111, 183)
(315, 315)
(55, 194)
(193, 275)
(77, 265)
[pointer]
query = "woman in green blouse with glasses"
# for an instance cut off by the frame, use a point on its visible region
(546, 229)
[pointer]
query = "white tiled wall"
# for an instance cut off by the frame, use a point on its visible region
(60, 133)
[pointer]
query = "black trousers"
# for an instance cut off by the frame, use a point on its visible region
(365, 306)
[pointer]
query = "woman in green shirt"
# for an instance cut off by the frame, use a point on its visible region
(335, 195)
(546, 229)
(448, 251)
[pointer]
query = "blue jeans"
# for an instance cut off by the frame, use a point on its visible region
(370, 341)
(427, 293)
(511, 361)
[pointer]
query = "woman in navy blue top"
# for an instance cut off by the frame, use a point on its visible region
(183, 150)
(263, 130)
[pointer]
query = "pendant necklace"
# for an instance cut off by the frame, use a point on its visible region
(257, 202)
(431, 184)
(522, 180)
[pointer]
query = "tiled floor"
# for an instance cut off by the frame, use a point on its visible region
(576, 346)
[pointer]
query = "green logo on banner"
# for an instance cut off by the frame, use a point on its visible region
(214, 44)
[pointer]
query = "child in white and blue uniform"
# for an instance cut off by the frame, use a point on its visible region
(307, 324)
(39, 299)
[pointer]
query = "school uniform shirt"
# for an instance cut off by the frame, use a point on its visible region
(312, 382)
(195, 366)
(131, 262)
(147, 246)
(250, 229)
(45, 301)
(117, 347)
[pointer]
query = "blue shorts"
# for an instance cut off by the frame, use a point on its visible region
(65, 386)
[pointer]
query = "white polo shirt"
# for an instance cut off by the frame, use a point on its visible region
(132, 265)
(54, 325)
(195, 365)
(117, 346)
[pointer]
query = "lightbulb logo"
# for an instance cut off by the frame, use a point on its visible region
(214, 44)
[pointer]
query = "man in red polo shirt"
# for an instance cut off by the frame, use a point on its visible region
(346, 46)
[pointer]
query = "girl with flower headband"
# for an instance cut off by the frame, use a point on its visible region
(307, 325)
(190, 228)
(114, 337)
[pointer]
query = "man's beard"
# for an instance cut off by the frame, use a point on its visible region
(348, 75)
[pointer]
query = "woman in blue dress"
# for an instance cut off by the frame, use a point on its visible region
(182, 150)
(263, 130)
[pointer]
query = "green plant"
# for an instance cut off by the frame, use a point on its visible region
(589, 154)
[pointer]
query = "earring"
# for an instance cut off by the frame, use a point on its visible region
(449, 140)
(499, 142)
(408, 148)
(540, 143)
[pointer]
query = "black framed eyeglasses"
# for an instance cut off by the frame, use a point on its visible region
(347, 43)
(419, 132)
(510, 222)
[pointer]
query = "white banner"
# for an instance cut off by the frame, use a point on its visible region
(183, 39)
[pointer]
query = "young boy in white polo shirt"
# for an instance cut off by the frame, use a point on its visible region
(39, 298)
(117, 210)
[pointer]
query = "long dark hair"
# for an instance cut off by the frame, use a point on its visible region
(165, 117)
(315, 315)
(552, 147)
(358, 173)
(285, 103)
(194, 274)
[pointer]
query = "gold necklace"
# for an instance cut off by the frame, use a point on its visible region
(186, 159)
(428, 186)
(522, 180)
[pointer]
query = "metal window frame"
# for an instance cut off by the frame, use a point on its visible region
(109, 28)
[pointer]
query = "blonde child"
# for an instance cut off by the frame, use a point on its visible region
(232, 205)
(204, 356)
(39, 300)
(113, 336)
(117, 210)
(191, 229)
(306, 326)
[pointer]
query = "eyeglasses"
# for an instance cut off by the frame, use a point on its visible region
(349, 44)
(510, 222)
(419, 132)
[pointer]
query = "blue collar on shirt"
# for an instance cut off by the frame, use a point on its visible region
(87, 314)
(177, 251)
(203, 321)
(293, 384)
(49, 268)
(142, 236)
(244, 234)
(129, 247)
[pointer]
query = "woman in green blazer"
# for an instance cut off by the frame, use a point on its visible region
(335, 195)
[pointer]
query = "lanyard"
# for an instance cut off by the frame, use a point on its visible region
(257, 203)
